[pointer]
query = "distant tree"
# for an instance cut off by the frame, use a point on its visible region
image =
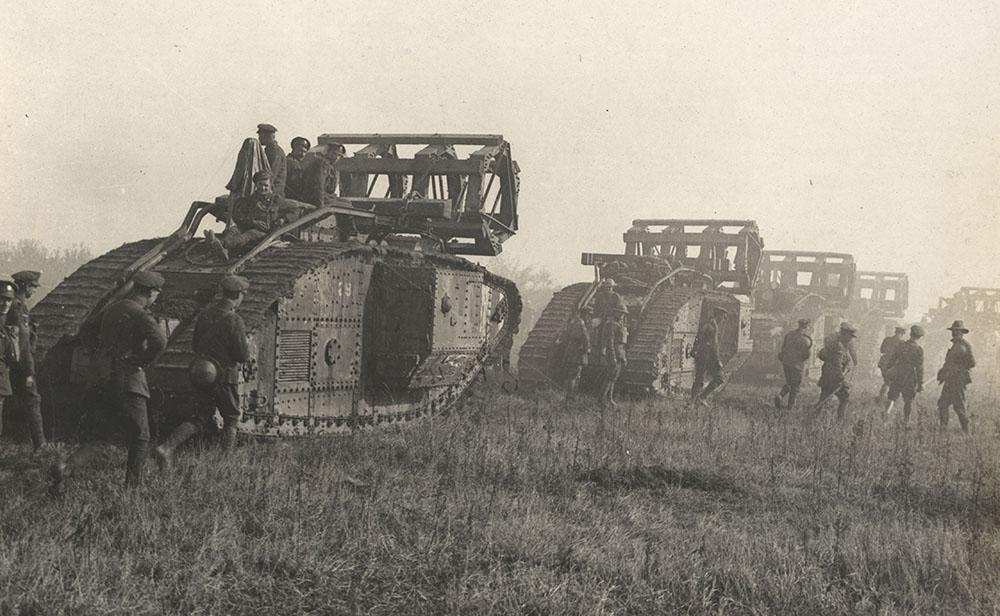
(536, 287)
(54, 263)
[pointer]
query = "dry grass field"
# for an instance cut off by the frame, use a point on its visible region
(523, 505)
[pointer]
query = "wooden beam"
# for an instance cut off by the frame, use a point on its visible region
(410, 166)
(409, 139)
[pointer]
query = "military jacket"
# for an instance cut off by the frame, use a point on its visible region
(293, 184)
(319, 179)
(8, 356)
(220, 334)
(837, 361)
(795, 350)
(19, 317)
(605, 303)
(706, 344)
(131, 339)
(957, 363)
(612, 338)
(905, 366)
(888, 346)
(279, 167)
(577, 343)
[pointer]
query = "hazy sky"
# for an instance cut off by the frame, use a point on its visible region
(862, 127)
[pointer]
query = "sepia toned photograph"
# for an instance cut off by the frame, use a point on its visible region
(317, 307)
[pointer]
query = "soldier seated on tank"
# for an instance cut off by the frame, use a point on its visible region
(255, 216)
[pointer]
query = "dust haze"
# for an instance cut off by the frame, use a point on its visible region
(868, 128)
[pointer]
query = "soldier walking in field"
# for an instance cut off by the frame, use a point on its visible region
(887, 348)
(793, 356)
(612, 337)
(706, 356)
(838, 361)
(220, 340)
(904, 371)
(130, 339)
(9, 344)
(576, 351)
(954, 375)
(22, 373)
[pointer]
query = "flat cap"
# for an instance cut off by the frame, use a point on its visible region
(916, 331)
(27, 276)
(148, 279)
(302, 140)
(266, 128)
(235, 283)
(263, 174)
(804, 322)
(6, 289)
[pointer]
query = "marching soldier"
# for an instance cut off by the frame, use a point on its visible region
(904, 371)
(22, 374)
(276, 158)
(219, 337)
(606, 300)
(612, 338)
(131, 339)
(838, 360)
(706, 356)
(793, 356)
(888, 346)
(9, 344)
(575, 355)
(954, 376)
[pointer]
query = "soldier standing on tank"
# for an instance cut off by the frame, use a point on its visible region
(22, 374)
(9, 344)
(219, 336)
(904, 371)
(607, 300)
(837, 363)
(321, 180)
(276, 158)
(577, 350)
(612, 337)
(295, 165)
(706, 356)
(130, 339)
(793, 356)
(954, 376)
(888, 346)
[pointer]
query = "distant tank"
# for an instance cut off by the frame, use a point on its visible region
(979, 309)
(671, 276)
(796, 285)
(879, 305)
(342, 334)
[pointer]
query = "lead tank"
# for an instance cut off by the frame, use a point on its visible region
(671, 276)
(342, 334)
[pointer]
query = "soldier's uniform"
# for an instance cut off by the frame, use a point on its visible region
(295, 167)
(25, 389)
(607, 300)
(130, 339)
(889, 344)
(904, 371)
(276, 159)
(9, 345)
(612, 337)
(706, 357)
(256, 215)
(219, 336)
(838, 359)
(576, 351)
(321, 181)
(793, 356)
(954, 376)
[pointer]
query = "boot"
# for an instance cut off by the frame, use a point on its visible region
(137, 455)
(216, 246)
(35, 427)
(842, 409)
(228, 437)
(778, 404)
(791, 400)
(165, 452)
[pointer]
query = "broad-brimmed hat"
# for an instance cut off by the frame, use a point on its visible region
(847, 328)
(916, 331)
(958, 326)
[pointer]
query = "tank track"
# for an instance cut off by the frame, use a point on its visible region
(649, 346)
(537, 364)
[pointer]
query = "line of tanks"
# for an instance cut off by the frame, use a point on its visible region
(674, 272)
(348, 334)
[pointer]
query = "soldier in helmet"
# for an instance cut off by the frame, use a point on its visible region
(954, 375)
(9, 344)
(130, 339)
(793, 356)
(838, 360)
(904, 371)
(706, 356)
(220, 338)
(888, 346)
(612, 337)
(577, 349)
(22, 375)
(607, 300)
